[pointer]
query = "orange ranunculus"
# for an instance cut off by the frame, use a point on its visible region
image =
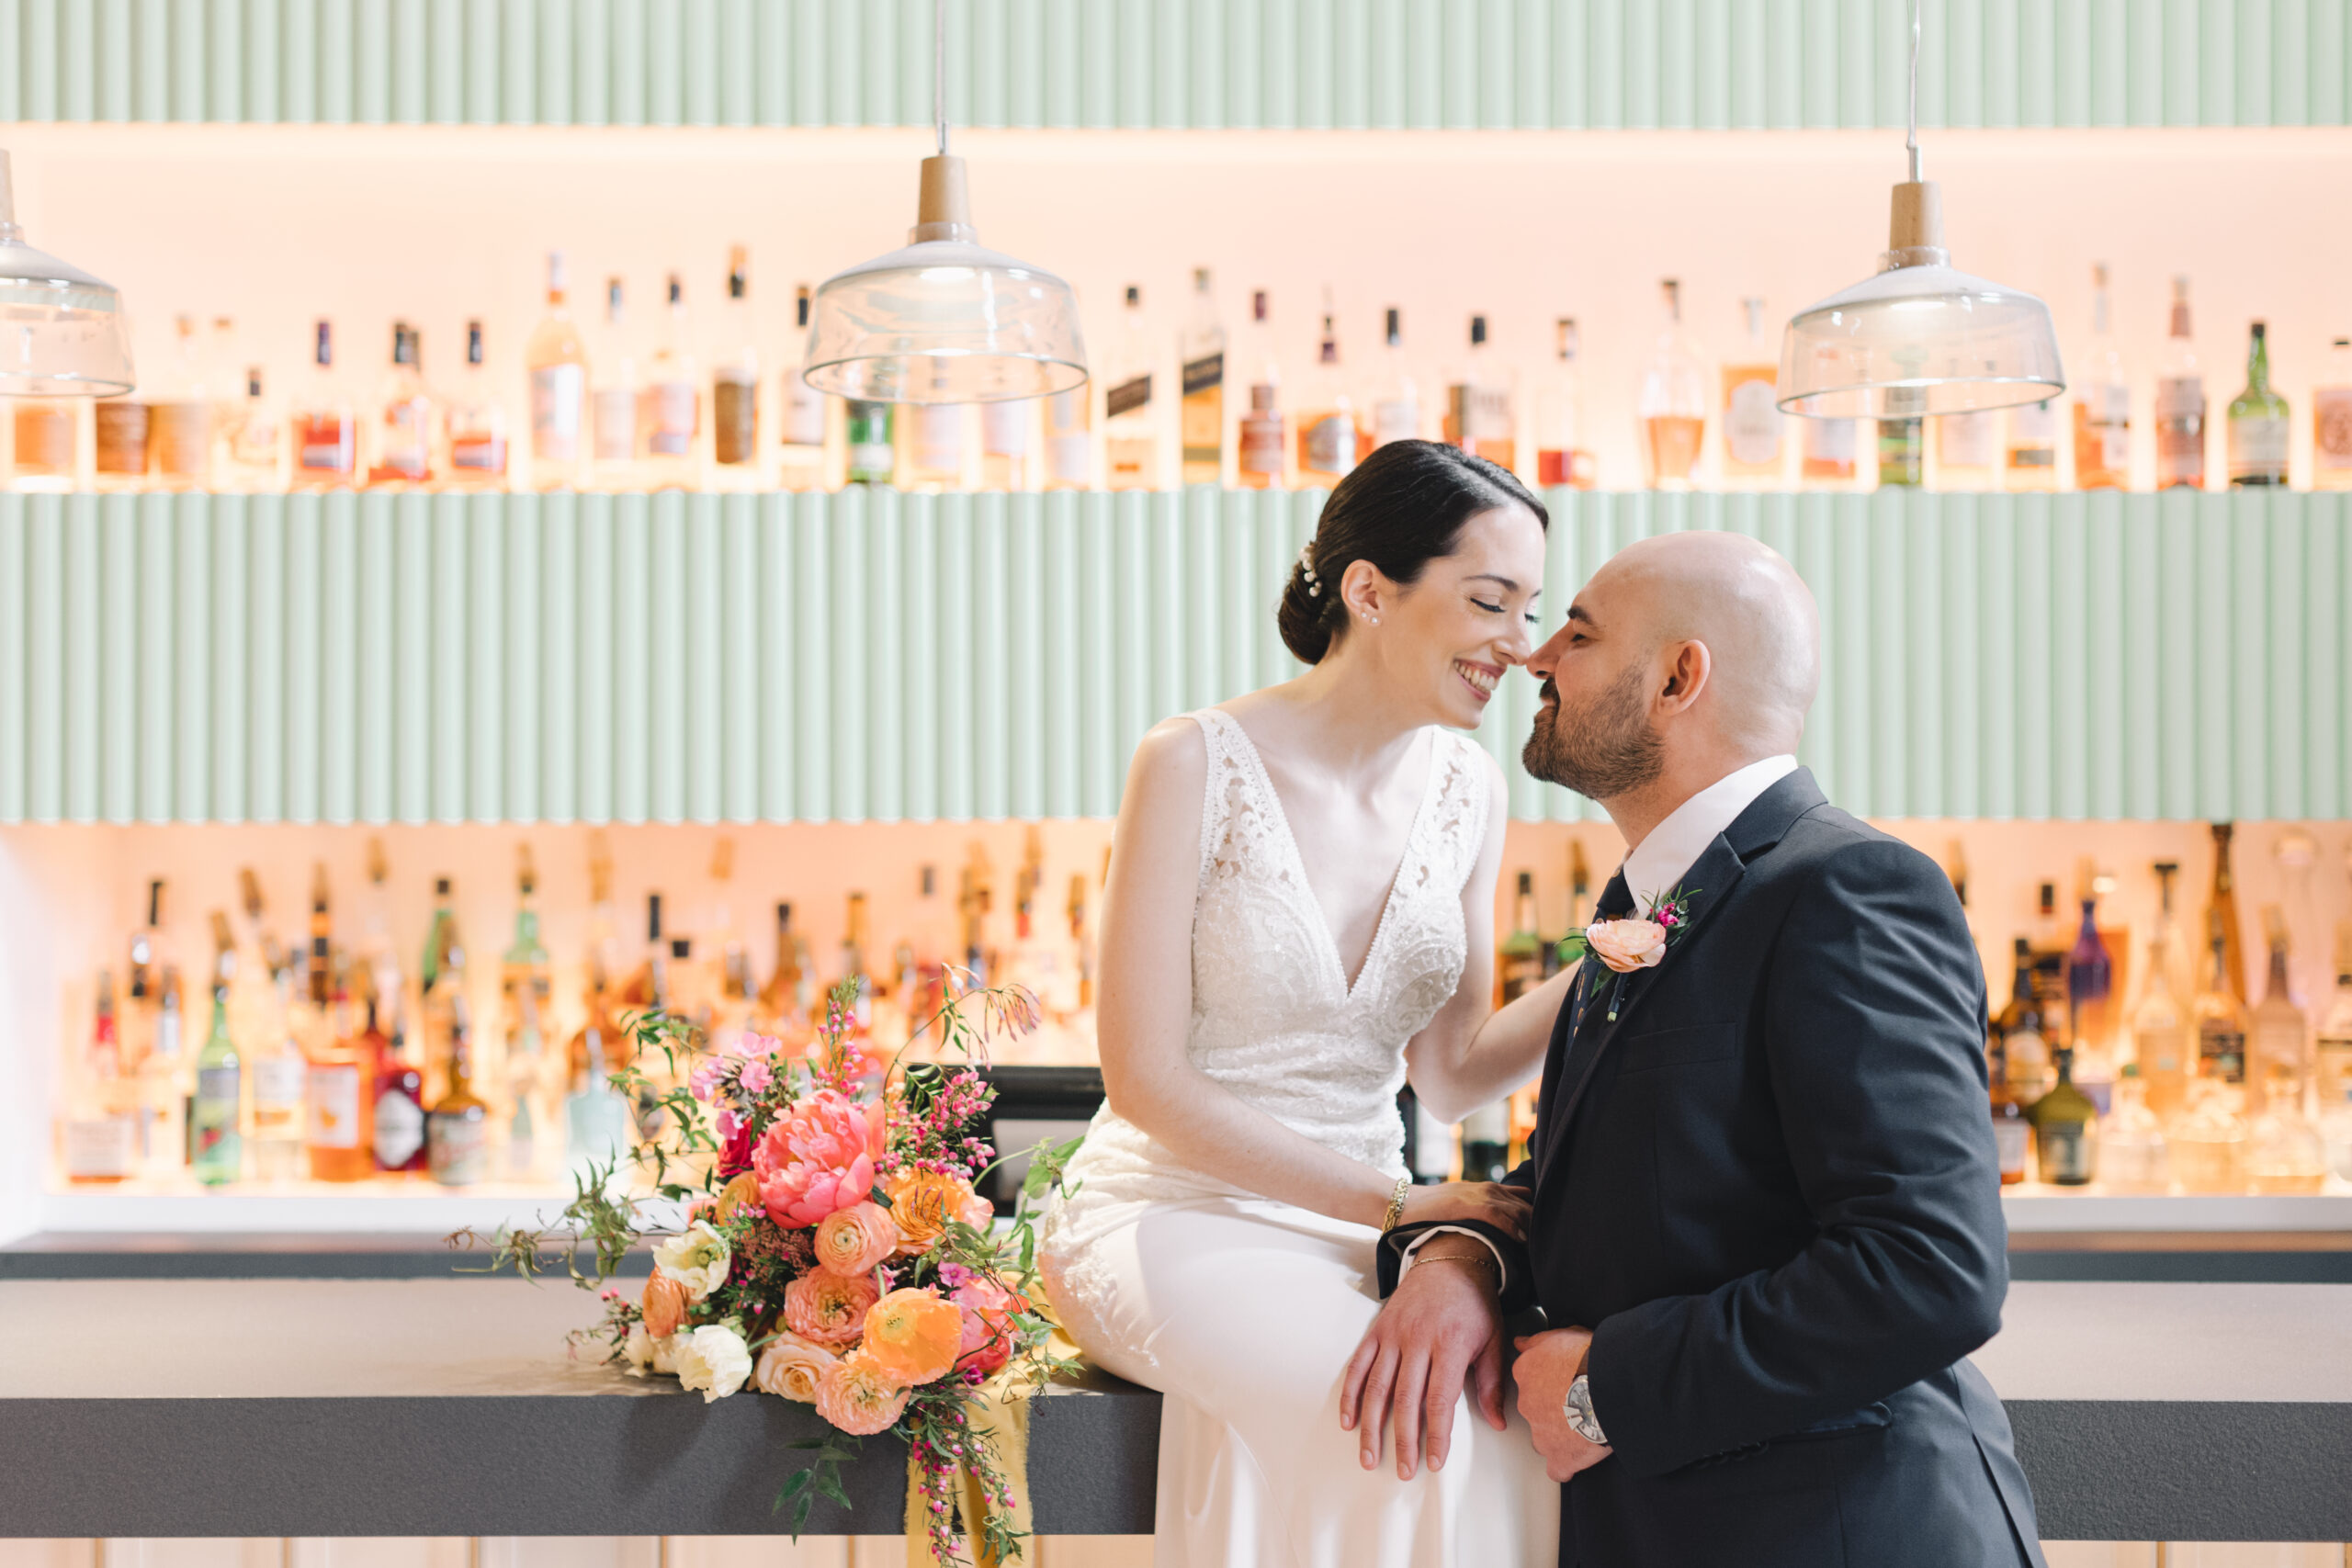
(741, 1193)
(913, 1336)
(855, 1240)
(923, 1202)
(857, 1396)
(664, 1305)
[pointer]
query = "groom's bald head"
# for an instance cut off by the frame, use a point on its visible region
(1739, 597)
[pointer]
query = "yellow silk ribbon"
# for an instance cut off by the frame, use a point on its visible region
(1001, 1415)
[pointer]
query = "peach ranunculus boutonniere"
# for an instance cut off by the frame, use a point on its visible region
(1628, 945)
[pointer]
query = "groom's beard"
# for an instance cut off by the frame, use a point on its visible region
(1607, 749)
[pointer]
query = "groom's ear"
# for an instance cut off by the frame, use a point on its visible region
(1688, 665)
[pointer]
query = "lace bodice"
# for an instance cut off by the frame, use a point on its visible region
(1275, 1020)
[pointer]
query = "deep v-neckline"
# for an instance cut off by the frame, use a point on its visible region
(1348, 988)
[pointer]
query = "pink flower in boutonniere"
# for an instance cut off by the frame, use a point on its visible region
(1626, 945)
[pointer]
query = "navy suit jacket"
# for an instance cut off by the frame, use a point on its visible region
(1768, 1186)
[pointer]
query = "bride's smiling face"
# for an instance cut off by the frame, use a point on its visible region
(1443, 642)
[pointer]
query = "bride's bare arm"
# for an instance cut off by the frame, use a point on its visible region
(1144, 1010)
(1471, 1055)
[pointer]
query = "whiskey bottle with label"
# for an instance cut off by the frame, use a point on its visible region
(1397, 405)
(1131, 417)
(2332, 420)
(405, 420)
(1260, 459)
(801, 412)
(1751, 417)
(2030, 460)
(1561, 456)
(2180, 403)
(1200, 351)
(1478, 412)
(326, 432)
(2102, 403)
(2257, 421)
(735, 385)
(456, 1130)
(1672, 401)
(216, 1141)
(557, 361)
(1518, 966)
(1331, 438)
(181, 418)
(873, 449)
(477, 424)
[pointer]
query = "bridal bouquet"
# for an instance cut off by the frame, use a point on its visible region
(831, 1248)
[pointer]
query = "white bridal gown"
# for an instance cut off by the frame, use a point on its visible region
(1243, 1312)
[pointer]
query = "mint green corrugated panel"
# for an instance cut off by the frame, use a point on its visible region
(1955, 586)
(991, 49)
(631, 735)
(338, 694)
(1814, 554)
(232, 532)
(1283, 24)
(1100, 620)
(1920, 716)
(703, 630)
(114, 64)
(2216, 73)
(626, 55)
(2037, 654)
(483, 35)
(483, 611)
(2282, 591)
(2140, 585)
(2329, 65)
(591, 73)
(663, 605)
(376, 665)
(1963, 57)
(445, 75)
(16, 614)
(518, 62)
(1234, 584)
(850, 515)
(1131, 579)
(411, 676)
(883, 658)
(409, 30)
(522, 691)
(1819, 77)
(78, 62)
(562, 656)
(918, 611)
(697, 63)
(2250, 93)
(263, 72)
(2089, 64)
(1847, 627)
(265, 619)
(2179, 513)
(2066, 673)
(38, 68)
(112, 596)
(373, 61)
(991, 660)
(558, 62)
(1205, 64)
(1784, 60)
(1996, 574)
(300, 658)
(1024, 612)
(2288, 62)
(1062, 715)
(2243, 549)
(45, 658)
(2326, 654)
(812, 646)
(588, 717)
(2101, 673)
(952, 673)
(2219, 698)
(447, 649)
(1191, 593)
(339, 64)
(2004, 66)
(13, 66)
(739, 661)
(175, 589)
(79, 644)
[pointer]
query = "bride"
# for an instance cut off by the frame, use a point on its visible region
(1325, 850)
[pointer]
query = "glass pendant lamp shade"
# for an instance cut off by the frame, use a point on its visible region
(61, 331)
(943, 320)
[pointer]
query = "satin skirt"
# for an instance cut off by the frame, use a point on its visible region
(1243, 1313)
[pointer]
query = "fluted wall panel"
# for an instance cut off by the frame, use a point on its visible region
(878, 656)
(1421, 64)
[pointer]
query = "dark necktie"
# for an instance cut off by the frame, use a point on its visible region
(1616, 903)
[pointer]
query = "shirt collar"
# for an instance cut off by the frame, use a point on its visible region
(1658, 862)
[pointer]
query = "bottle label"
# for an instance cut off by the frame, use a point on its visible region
(459, 1148)
(1832, 440)
(803, 413)
(44, 439)
(2067, 1152)
(1330, 445)
(674, 413)
(215, 1088)
(734, 420)
(938, 436)
(2332, 428)
(2181, 398)
(1752, 424)
(334, 1105)
(279, 1083)
(1005, 428)
(99, 1149)
(2258, 446)
(479, 454)
(615, 425)
(2010, 1142)
(558, 394)
(2221, 1054)
(1127, 397)
(256, 443)
(1202, 418)
(326, 444)
(181, 434)
(1205, 374)
(1067, 460)
(1395, 419)
(1965, 440)
(400, 1130)
(1262, 443)
(1479, 413)
(123, 437)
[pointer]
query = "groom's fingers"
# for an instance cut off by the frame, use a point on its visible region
(1436, 1407)
(1351, 1380)
(1412, 1377)
(1373, 1427)
(1486, 1374)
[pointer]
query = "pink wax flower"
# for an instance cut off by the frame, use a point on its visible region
(818, 1158)
(756, 1076)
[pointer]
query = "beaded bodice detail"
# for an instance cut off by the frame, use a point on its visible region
(1275, 1018)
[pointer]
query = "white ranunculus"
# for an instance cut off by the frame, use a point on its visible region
(665, 1353)
(713, 1358)
(638, 1349)
(697, 1258)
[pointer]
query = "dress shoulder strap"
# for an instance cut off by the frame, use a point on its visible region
(1464, 798)
(1226, 790)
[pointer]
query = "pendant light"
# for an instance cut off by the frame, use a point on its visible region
(1921, 337)
(943, 320)
(62, 332)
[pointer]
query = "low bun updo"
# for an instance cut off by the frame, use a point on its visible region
(1402, 508)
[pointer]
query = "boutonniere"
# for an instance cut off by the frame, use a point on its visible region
(1625, 946)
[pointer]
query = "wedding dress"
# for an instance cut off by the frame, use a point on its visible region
(1242, 1311)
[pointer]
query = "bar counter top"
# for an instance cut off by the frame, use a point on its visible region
(159, 1408)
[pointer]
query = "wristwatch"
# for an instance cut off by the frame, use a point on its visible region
(1578, 1410)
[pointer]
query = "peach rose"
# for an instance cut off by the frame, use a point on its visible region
(857, 1396)
(923, 1202)
(818, 1158)
(987, 1308)
(663, 1306)
(1626, 945)
(855, 1240)
(791, 1367)
(829, 1309)
(913, 1336)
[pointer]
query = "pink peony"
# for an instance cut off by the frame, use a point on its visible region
(855, 1240)
(988, 1310)
(819, 1157)
(1627, 945)
(829, 1309)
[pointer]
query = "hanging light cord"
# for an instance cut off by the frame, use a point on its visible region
(1910, 140)
(939, 76)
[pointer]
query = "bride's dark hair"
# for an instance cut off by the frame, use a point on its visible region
(1402, 508)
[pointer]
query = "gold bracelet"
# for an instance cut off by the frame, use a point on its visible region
(1474, 1260)
(1396, 1205)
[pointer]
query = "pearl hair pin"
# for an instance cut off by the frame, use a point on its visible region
(1306, 570)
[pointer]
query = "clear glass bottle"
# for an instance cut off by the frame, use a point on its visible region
(1008, 444)
(337, 1102)
(1331, 438)
(1130, 415)
(556, 358)
(2278, 1034)
(2220, 1017)
(1830, 450)
(1752, 424)
(2012, 1134)
(164, 1088)
(404, 424)
(326, 429)
(2090, 979)
(1396, 403)
(671, 419)
(1672, 402)
(2332, 420)
(1200, 349)
(216, 1141)
(2029, 460)
(46, 455)
(281, 1072)
(595, 1117)
(2257, 421)
(1968, 446)
(477, 422)
(1561, 456)
(1262, 439)
(801, 413)
(2180, 402)
(2132, 1155)
(2222, 911)
(180, 419)
(120, 427)
(2065, 1129)
(2102, 402)
(399, 1130)
(2284, 1152)
(735, 385)
(1069, 439)
(253, 454)
(1903, 440)
(932, 438)
(2332, 1041)
(2161, 1037)
(873, 449)
(615, 395)
(1518, 959)
(457, 1130)
(1479, 417)
(2208, 1144)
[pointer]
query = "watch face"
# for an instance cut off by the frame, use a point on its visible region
(1578, 1411)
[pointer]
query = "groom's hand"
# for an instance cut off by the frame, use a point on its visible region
(1441, 1321)
(1547, 1364)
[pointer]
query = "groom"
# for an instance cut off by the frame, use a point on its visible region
(1766, 1224)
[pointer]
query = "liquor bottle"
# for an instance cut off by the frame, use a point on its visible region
(457, 1130)
(1485, 1143)
(2065, 1129)
(101, 1139)
(1967, 449)
(2257, 421)
(326, 430)
(614, 395)
(1081, 941)
(1561, 458)
(2160, 1031)
(1903, 439)
(2219, 1016)
(2332, 1042)
(525, 982)
(338, 1101)
(2102, 403)
(398, 1112)
(120, 428)
(1478, 416)
(1130, 418)
(2208, 1144)
(2222, 906)
(477, 424)
(931, 446)
(2012, 1133)
(47, 452)
(873, 450)
(216, 1145)
(2180, 403)
(147, 950)
(1429, 1142)
(800, 451)
(1069, 439)
(442, 961)
(281, 1087)
(595, 1116)
(1397, 405)
(162, 1086)
(1827, 455)
(557, 361)
(735, 385)
(404, 452)
(2030, 458)
(1672, 403)
(2284, 1153)
(2278, 1032)
(253, 452)
(2332, 420)
(2090, 979)
(1259, 463)
(2025, 1032)
(181, 419)
(1519, 968)
(1200, 350)
(1331, 442)
(1008, 444)
(1751, 416)
(853, 955)
(783, 1001)
(672, 418)
(2132, 1157)
(223, 369)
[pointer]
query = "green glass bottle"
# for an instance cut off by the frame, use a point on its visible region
(1901, 453)
(873, 441)
(2258, 423)
(2065, 1128)
(216, 1149)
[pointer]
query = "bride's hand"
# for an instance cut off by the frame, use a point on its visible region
(1491, 1203)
